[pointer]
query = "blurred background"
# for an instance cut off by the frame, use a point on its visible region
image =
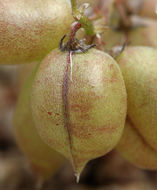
(110, 172)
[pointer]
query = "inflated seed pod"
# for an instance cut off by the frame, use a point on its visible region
(79, 112)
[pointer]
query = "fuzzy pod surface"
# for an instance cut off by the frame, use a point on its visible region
(44, 160)
(31, 29)
(79, 112)
(139, 141)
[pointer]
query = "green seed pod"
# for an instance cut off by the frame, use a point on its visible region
(82, 117)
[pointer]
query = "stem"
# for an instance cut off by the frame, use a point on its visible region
(83, 19)
(73, 31)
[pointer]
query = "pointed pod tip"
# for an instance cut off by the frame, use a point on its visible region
(77, 177)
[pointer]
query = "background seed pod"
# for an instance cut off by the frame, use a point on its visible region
(139, 68)
(31, 29)
(133, 147)
(145, 35)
